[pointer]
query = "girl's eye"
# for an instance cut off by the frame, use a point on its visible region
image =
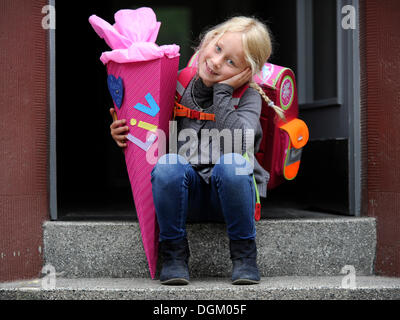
(230, 62)
(217, 48)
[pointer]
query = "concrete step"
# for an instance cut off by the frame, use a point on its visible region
(270, 288)
(286, 247)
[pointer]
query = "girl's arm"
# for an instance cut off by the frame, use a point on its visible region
(245, 117)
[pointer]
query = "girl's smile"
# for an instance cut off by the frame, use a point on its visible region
(210, 70)
(222, 59)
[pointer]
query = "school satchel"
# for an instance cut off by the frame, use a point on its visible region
(283, 140)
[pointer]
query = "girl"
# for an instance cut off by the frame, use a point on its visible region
(185, 188)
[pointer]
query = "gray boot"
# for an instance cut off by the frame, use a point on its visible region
(244, 262)
(175, 257)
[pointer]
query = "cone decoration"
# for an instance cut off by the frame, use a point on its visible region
(142, 83)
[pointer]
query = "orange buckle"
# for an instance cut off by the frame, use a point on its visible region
(194, 114)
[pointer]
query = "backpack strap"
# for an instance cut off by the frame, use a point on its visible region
(257, 209)
(184, 78)
(238, 93)
(193, 60)
(182, 111)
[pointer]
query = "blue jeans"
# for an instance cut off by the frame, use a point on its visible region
(180, 194)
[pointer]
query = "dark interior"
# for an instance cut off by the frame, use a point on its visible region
(92, 182)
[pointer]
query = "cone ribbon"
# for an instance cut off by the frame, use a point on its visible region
(142, 80)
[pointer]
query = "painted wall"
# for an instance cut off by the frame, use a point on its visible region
(23, 138)
(380, 65)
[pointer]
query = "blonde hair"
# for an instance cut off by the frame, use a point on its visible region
(257, 46)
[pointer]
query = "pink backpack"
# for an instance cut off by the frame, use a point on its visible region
(283, 140)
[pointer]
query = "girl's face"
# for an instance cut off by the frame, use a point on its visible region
(221, 59)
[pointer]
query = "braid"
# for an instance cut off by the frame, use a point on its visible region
(269, 102)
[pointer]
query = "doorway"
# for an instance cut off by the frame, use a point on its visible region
(92, 182)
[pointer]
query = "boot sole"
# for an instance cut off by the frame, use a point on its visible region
(175, 282)
(245, 282)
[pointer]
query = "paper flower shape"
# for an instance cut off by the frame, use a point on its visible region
(132, 37)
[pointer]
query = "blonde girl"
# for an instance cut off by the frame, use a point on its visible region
(188, 189)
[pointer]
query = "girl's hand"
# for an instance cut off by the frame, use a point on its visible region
(240, 79)
(118, 130)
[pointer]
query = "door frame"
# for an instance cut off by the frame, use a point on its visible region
(348, 86)
(352, 95)
(52, 123)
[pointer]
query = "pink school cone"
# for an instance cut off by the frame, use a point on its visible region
(158, 78)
